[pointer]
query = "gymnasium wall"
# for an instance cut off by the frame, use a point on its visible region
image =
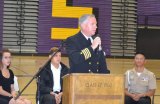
(1, 22)
(148, 35)
(58, 19)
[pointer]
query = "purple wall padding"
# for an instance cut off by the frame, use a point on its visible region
(149, 12)
(1, 22)
(45, 23)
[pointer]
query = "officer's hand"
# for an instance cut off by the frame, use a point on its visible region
(96, 42)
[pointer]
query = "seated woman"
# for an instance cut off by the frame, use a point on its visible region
(7, 92)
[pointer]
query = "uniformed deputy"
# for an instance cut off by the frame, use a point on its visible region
(140, 83)
(84, 57)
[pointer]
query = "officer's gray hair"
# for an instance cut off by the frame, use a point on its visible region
(84, 17)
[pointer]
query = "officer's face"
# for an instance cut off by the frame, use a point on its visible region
(139, 60)
(89, 26)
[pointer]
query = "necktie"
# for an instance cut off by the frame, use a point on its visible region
(89, 41)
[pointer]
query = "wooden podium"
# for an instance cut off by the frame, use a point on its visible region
(93, 89)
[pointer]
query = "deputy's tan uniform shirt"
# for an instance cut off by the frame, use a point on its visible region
(139, 84)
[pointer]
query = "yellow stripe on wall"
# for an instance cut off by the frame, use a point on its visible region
(59, 9)
(62, 33)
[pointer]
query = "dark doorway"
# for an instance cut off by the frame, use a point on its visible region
(148, 42)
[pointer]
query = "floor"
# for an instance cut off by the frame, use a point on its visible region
(25, 67)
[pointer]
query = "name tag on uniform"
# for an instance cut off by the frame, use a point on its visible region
(144, 79)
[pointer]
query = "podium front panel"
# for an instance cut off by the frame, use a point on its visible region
(93, 89)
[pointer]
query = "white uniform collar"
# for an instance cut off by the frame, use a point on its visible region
(86, 36)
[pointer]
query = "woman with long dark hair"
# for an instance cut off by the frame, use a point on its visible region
(7, 92)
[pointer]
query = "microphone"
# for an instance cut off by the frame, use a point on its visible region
(63, 42)
(99, 48)
(63, 45)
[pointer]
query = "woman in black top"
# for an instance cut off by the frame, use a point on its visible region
(5, 83)
(7, 92)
